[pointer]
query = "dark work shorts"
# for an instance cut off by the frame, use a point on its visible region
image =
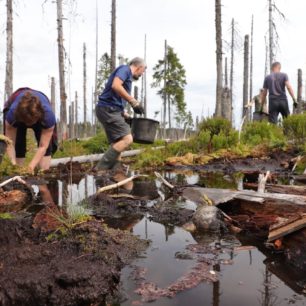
(276, 107)
(113, 122)
(21, 139)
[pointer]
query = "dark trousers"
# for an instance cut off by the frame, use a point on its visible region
(278, 106)
(21, 143)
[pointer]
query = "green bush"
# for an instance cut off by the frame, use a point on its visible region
(295, 128)
(256, 133)
(96, 144)
(222, 141)
(215, 126)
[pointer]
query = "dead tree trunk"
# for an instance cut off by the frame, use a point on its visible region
(299, 92)
(70, 121)
(246, 111)
(165, 85)
(113, 36)
(218, 21)
(271, 34)
(267, 57)
(9, 50)
(76, 117)
(232, 67)
(72, 135)
(61, 63)
(95, 99)
(226, 96)
(225, 73)
(84, 90)
(251, 60)
(53, 94)
(144, 81)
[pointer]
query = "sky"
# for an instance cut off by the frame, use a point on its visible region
(188, 26)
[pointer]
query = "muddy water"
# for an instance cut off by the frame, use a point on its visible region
(246, 277)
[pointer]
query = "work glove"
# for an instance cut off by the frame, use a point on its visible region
(137, 107)
(295, 103)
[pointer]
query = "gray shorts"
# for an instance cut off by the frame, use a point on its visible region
(113, 122)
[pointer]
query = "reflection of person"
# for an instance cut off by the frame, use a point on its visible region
(28, 108)
(110, 110)
(276, 84)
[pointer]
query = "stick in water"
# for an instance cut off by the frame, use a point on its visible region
(114, 186)
(15, 178)
(158, 175)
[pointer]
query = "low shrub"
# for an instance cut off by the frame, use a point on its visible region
(295, 128)
(96, 144)
(256, 133)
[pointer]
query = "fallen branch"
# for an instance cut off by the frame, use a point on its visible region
(298, 159)
(262, 180)
(13, 179)
(164, 181)
(119, 184)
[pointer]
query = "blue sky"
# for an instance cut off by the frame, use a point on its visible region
(188, 26)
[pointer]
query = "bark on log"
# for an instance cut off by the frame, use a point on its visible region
(93, 157)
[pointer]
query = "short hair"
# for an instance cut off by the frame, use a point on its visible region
(275, 64)
(137, 61)
(29, 110)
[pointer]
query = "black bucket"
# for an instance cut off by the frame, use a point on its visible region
(259, 116)
(144, 130)
(3, 146)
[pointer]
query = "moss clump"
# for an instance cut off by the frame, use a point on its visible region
(6, 216)
(295, 129)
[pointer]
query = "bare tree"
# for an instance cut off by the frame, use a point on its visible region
(226, 96)
(95, 98)
(251, 58)
(266, 57)
(113, 36)
(165, 84)
(84, 90)
(225, 73)
(299, 92)
(273, 34)
(144, 80)
(218, 24)
(246, 110)
(53, 94)
(76, 117)
(61, 63)
(9, 50)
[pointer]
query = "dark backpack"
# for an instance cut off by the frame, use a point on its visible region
(11, 100)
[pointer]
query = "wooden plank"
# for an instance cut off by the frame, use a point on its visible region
(287, 229)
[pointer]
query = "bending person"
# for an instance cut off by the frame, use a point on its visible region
(28, 108)
(110, 110)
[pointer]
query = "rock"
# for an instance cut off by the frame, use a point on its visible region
(207, 218)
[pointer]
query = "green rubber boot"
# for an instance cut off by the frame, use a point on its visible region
(108, 160)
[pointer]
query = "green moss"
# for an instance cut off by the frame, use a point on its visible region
(295, 129)
(6, 216)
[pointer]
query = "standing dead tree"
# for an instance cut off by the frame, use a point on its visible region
(76, 117)
(273, 34)
(226, 96)
(299, 92)
(144, 80)
(9, 50)
(61, 63)
(246, 110)
(165, 93)
(84, 90)
(95, 98)
(251, 59)
(266, 57)
(218, 25)
(113, 36)
(53, 94)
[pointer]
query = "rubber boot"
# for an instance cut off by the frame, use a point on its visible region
(108, 160)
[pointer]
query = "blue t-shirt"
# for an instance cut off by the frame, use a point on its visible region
(49, 117)
(109, 97)
(276, 84)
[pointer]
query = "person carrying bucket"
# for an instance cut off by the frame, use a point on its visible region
(28, 108)
(110, 110)
(276, 84)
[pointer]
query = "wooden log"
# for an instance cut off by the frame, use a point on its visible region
(219, 196)
(275, 188)
(93, 157)
(287, 229)
(262, 180)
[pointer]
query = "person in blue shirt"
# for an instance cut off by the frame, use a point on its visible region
(28, 108)
(110, 110)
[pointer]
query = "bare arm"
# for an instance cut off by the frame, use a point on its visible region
(45, 139)
(11, 132)
(290, 90)
(119, 89)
